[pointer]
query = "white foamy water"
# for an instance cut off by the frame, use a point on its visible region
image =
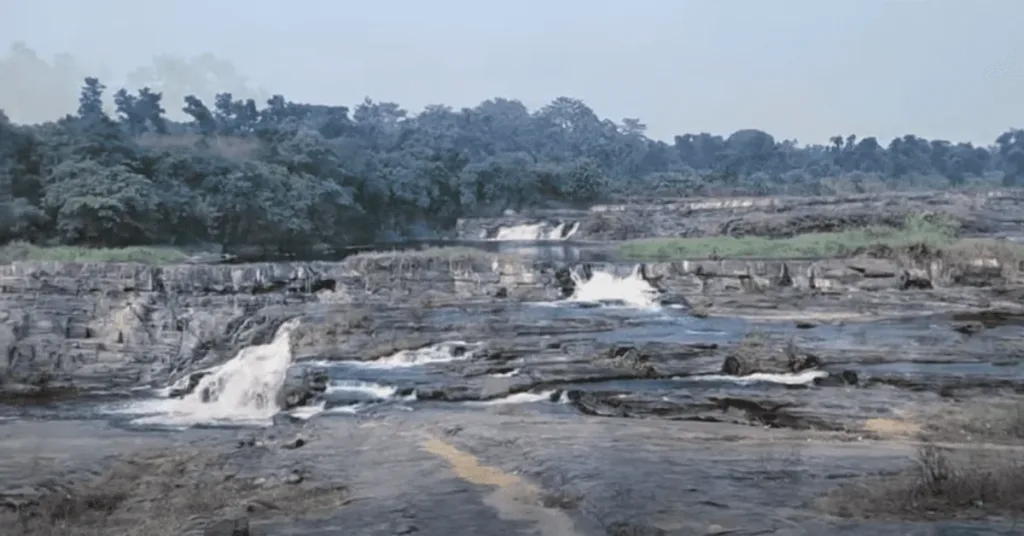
(518, 398)
(630, 290)
(371, 390)
(347, 410)
(799, 378)
(241, 391)
(305, 412)
(562, 231)
(182, 382)
(445, 352)
(537, 231)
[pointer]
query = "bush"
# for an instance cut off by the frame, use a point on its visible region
(943, 483)
(956, 481)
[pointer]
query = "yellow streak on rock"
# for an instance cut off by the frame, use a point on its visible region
(468, 468)
(513, 498)
(891, 427)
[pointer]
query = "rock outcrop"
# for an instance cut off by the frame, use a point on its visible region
(757, 353)
(769, 217)
(109, 326)
(301, 386)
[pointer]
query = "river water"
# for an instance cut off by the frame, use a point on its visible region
(241, 391)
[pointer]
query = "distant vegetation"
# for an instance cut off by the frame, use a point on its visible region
(285, 176)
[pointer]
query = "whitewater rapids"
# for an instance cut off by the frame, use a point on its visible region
(603, 287)
(242, 391)
(536, 231)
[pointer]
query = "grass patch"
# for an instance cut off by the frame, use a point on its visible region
(930, 230)
(445, 258)
(991, 421)
(962, 480)
(942, 483)
(23, 251)
(967, 250)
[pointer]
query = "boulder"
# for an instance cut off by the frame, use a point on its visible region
(302, 385)
(759, 353)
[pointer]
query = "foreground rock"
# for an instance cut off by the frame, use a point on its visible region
(433, 474)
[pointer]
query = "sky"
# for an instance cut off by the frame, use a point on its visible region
(798, 69)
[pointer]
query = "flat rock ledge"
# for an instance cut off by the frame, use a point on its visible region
(112, 325)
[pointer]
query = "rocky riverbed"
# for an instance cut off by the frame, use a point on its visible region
(482, 394)
(990, 213)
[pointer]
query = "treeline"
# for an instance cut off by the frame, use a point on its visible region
(286, 176)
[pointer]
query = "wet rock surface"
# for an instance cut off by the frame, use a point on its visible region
(775, 217)
(301, 387)
(428, 472)
(66, 326)
(732, 408)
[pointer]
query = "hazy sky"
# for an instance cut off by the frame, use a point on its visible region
(801, 69)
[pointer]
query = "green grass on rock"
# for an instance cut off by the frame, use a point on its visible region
(934, 232)
(156, 255)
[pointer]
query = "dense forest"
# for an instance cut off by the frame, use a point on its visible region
(285, 175)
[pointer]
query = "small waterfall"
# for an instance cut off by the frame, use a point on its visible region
(536, 231)
(603, 287)
(520, 232)
(572, 230)
(243, 390)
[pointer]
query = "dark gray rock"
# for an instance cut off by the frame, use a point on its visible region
(302, 385)
(188, 387)
(83, 327)
(761, 353)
